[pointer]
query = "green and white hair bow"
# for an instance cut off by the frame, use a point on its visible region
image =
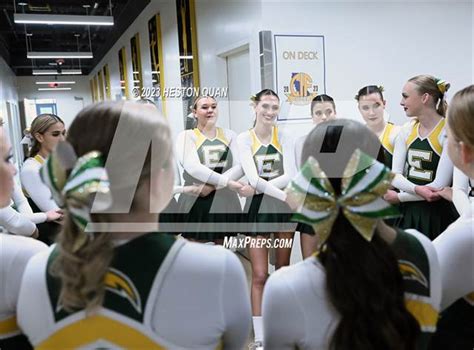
(364, 182)
(87, 183)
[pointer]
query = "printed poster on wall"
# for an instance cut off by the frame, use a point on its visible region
(136, 62)
(108, 92)
(101, 85)
(300, 73)
(156, 59)
(124, 90)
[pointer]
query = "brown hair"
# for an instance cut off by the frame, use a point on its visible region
(368, 90)
(40, 125)
(363, 281)
(82, 270)
(320, 99)
(461, 115)
(436, 88)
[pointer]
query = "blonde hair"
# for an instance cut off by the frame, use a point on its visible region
(461, 115)
(436, 88)
(82, 268)
(40, 125)
(198, 98)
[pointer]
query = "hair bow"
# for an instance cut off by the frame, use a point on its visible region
(87, 184)
(27, 140)
(442, 86)
(364, 182)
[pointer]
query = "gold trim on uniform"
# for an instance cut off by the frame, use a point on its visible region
(433, 138)
(413, 134)
(8, 327)
(95, 328)
(220, 135)
(256, 143)
(39, 159)
(100, 327)
(424, 313)
(385, 137)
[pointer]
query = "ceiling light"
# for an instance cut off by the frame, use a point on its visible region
(39, 55)
(29, 18)
(54, 89)
(55, 82)
(55, 72)
(186, 57)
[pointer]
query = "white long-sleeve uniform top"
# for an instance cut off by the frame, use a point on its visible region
(15, 252)
(249, 145)
(297, 311)
(455, 249)
(22, 220)
(462, 187)
(34, 187)
(197, 299)
(444, 172)
(187, 145)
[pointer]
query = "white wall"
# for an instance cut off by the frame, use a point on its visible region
(223, 25)
(9, 93)
(8, 89)
(67, 105)
(382, 43)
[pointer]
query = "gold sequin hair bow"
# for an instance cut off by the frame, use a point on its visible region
(443, 86)
(364, 182)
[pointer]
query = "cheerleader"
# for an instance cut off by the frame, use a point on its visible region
(420, 148)
(209, 157)
(267, 156)
(323, 108)
(14, 254)
(455, 246)
(44, 134)
(371, 106)
(22, 221)
(368, 286)
(92, 290)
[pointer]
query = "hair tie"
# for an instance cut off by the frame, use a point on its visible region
(253, 98)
